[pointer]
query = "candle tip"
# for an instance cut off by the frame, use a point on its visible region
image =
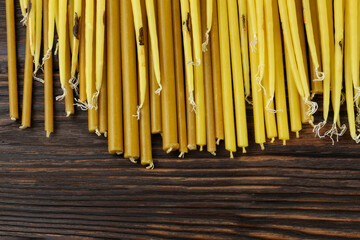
(13, 118)
(262, 146)
(169, 150)
(213, 153)
(23, 127)
(133, 160)
(284, 142)
(68, 114)
(231, 155)
(97, 132)
(297, 135)
(151, 166)
(48, 134)
(201, 148)
(105, 134)
(272, 140)
(119, 153)
(244, 150)
(182, 155)
(218, 141)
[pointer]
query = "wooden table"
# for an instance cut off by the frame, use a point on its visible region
(69, 187)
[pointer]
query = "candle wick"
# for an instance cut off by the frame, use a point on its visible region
(320, 76)
(25, 19)
(151, 166)
(61, 97)
(318, 127)
(204, 45)
(218, 141)
(313, 106)
(334, 131)
(182, 155)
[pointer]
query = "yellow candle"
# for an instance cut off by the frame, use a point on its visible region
(168, 93)
(237, 74)
(11, 49)
(82, 57)
(216, 75)
(280, 92)
(103, 106)
(51, 21)
(145, 131)
(316, 86)
(258, 107)
(243, 19)
(209, 98)
(114, 90)
(326, 56)
(270, 73)
(139, 33)
(130, 95)
(48, 76)
(349, 88)
(89, 49)
(28, 79)
(179, 78)
(75, 36)
(198, 74)
(338, 78)
(226, 80)
(189, 74)
(155, 98)
(38, 31)
(32, 23)
(294, 100)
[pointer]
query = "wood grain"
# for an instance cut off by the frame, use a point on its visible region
(69, 187)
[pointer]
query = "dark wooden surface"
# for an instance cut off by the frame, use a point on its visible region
(69, 187)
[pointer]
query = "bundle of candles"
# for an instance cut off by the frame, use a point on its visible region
(186, 69)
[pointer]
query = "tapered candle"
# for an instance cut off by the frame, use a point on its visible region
(76, 18)
(22, 7)
(114, 90)
(11, 50)
(70, 14)
(330, 13)
(216, 76)
(128, 54)
(51, 22)
(308, 22)
(189, 75)
(93, 110)
(103, 108)
(145, 131)
(352, 11)
(209, 94)
(243, 19)
(140, 46)
(270, 73)
(349, 87)
(89, 41)
(82, 57)
(100, 43)
(226, 80)
(258, 107)
(198, 73)
(338, 78)
(260, 23)
(179, 77)
(294, 100)
(316, 86)
(168, 93)
(27, 92)
(48, 75)
(326, 57)
(305, 118)
(280, 91)
(64, 58)
(69, 97)
(155, 99)
(38, 32)
(32, 23)
(151, 16)
(237, 74)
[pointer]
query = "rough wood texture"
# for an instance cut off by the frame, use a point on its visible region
(69, 187)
